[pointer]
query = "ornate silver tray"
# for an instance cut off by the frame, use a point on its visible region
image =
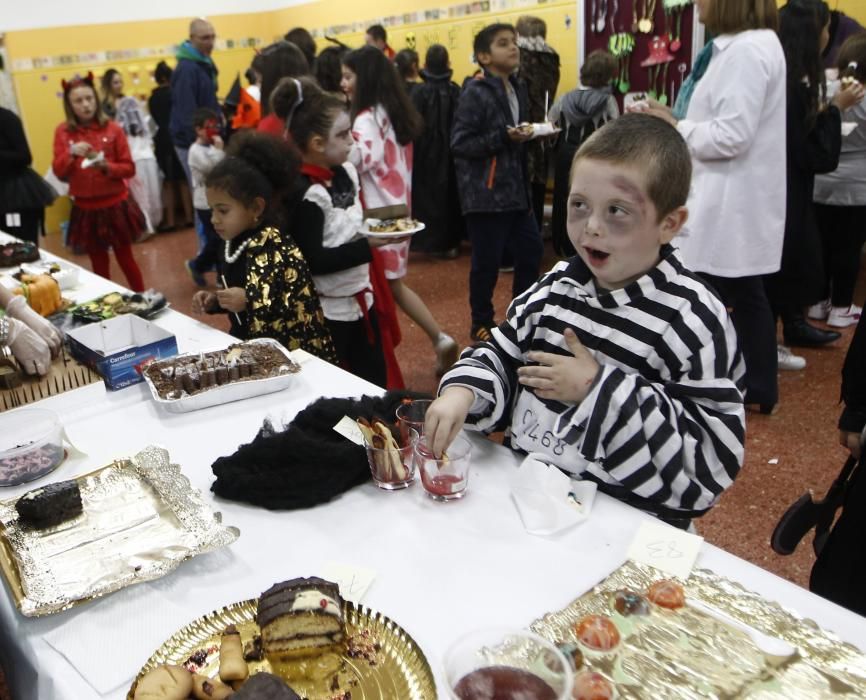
(684, 654)
(141, 519)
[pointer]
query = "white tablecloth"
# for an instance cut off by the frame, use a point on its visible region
(442, 569)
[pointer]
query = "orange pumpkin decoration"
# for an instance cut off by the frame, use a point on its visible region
(42, 293)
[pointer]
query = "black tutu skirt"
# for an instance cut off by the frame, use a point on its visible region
(118, 225)
(25, 190)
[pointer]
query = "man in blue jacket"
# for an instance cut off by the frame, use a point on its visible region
(193, 85)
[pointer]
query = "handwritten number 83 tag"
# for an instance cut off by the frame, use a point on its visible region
(665, 548)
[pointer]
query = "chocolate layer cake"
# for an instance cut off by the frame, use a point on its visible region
(265, 686)
(301, 617)
(50, 505)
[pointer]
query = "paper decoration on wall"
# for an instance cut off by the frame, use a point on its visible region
(620, 46)
(410, 40)
(432, 14)
(658, 56)
(673, 21)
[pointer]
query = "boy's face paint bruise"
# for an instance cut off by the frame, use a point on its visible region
(613, 224)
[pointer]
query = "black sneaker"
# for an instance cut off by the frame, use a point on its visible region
(481, 334)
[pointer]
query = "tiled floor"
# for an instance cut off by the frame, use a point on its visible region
(787, 453)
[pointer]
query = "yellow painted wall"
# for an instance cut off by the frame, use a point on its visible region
(38, 89)
(852, 8)
(455, 33)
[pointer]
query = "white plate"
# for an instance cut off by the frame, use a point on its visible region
(365, 230)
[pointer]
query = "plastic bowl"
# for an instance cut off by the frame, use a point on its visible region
(31, 445)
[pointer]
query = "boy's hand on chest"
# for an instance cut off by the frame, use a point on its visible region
(561, 377)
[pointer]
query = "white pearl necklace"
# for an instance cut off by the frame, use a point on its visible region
(233, 258)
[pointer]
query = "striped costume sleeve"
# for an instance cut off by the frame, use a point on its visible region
(489, 369)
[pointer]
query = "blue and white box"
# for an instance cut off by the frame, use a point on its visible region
(121, 347)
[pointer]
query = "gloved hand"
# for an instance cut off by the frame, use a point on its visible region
(18, 308)
(31, 351)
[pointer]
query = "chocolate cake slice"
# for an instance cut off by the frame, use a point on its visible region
(265, 686)
(301, 617)
(50, 505)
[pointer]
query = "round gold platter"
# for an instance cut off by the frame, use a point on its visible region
(380, 662)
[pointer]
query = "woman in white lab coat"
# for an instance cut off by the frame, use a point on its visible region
(733, 121)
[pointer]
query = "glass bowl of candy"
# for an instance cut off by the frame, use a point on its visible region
(31, 445)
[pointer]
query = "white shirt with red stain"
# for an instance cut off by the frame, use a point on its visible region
(385, 169)
(384, 165)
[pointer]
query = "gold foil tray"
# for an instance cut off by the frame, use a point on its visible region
(687, 655)
(141, 519)
(382, 661)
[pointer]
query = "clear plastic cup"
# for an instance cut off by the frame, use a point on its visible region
(446, 477)
(392, 469)
(517, 664)
(411, 416)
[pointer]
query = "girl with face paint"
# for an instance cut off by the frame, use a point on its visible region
(326, 223)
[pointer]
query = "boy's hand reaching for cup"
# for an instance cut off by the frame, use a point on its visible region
(561, 377)
(233, 299)
(445, 417)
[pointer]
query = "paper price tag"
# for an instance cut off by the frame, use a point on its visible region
(354, 581)
(665, 548)
(349, 429)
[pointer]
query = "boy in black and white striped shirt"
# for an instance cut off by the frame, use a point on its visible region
(619, 364)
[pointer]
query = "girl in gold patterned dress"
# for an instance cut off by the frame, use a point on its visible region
(269, 292)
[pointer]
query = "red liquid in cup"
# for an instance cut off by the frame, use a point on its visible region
(503, 683)
(442, 484)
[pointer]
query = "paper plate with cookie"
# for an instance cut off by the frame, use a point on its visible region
(391, 228)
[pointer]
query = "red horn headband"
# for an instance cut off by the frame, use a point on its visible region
(77, 82)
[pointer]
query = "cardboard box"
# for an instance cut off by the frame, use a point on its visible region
(119, 348)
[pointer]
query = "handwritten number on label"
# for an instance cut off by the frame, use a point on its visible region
(664, 549)
(547, 439)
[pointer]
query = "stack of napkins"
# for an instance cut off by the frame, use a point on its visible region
(105, 650)
(548, 500)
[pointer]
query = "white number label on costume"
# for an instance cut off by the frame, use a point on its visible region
(546, 439)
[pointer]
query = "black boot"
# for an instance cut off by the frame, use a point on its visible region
(799, 333)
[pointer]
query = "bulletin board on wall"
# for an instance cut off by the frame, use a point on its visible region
(456, 32)
(658, 33)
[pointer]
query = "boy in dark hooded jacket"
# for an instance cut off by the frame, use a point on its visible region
(490, 158)
(578, 113)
